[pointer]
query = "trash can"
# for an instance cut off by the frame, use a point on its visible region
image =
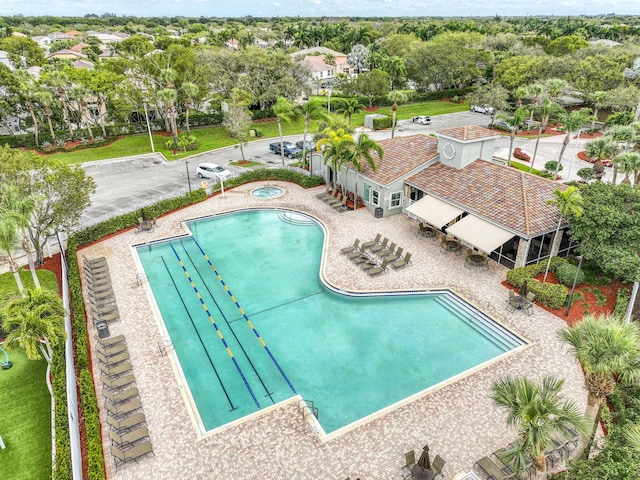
(378, 212)
(103, 330)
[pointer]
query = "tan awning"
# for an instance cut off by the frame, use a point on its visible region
(481, 234)
(433, 211)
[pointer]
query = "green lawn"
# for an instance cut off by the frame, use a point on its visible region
(25, 423)
(9, 288)
(211, 138)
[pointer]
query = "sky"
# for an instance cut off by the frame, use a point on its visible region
(317, 8)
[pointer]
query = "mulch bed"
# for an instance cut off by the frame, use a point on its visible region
(588, 304)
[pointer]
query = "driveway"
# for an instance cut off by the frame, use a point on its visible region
(126, 184)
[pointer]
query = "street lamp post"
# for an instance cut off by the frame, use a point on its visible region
(186, 164)
(573, 288)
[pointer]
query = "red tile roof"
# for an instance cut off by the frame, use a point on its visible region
(401, 156)
(468, 133)
(509, 197)
(317, 63)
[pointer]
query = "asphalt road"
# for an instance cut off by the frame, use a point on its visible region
(127, 184)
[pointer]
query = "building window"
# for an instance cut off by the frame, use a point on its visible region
(396, 200)
(367, 192)
(567, 245)
(375, 197)
(506, 253)
(539, 248)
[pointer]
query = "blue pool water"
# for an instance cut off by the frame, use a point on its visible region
(252, 324)
(267, 192)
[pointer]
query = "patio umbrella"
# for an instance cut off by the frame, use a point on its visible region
(143, 215)
(523, 289)
(423, 461)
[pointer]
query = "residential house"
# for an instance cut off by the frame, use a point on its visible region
(42, 40)
(323, 74)
(452, 183)
(258, 42)
(340, 59)
(57, 36)
(66, 54)
(4, 59)
(233, 44)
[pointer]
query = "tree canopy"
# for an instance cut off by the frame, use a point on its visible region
(608, 230)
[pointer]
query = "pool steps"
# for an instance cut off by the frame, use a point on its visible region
(295, 218)
(482, 323)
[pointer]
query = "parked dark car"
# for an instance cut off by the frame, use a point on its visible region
(308, 146)
(290, 150)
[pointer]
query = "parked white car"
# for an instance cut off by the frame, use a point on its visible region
(422, 119)
(211, 170)
(486, 109)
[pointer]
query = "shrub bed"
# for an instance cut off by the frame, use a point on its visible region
(550, 295)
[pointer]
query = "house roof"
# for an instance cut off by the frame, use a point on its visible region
(78, 47)
(316, 63)
(73, 33)
(468, 133)
(506, 196)
(65, 53)
(318, 50)
(82, 64)
(401, 156)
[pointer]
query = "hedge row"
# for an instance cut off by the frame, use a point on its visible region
(550, 295)
(95, 456)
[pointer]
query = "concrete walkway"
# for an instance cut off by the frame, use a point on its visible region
(457, 420)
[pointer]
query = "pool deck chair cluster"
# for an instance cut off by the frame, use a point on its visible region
(334, 199)
(376, 255)
(101, 299)
(129, 434)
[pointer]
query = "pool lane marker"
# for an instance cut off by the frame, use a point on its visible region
(241, 310)
(215, 370)
(268, 393)
(213, 322)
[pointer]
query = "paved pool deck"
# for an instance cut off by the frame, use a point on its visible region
(457, 420)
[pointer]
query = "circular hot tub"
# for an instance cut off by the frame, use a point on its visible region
(267, 192)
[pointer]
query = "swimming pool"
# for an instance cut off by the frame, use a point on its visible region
(252, 324)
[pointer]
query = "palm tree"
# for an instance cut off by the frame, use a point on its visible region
(348, 107)
(634, 74)
(533, 92)
(168, 96)
(569, 202)
(46, 100)
(608, 350)
(9, 226)
(35, 322)
(545, 109)
(283, 110)
(358, 58)
(337, 148)
(628, 163)
(19, 209)
(80, 94)
(395, 96)
(310, 111)
(633, 437)
(572, 122)
(364, 148)
(514, 123)
(539, 413)
(597, 100)
(190, 90)
(623, 136)
(600, 149)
